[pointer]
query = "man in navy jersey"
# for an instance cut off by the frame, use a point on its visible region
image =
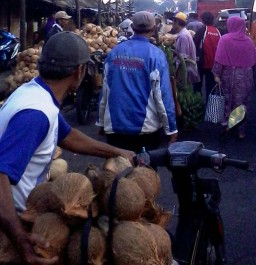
(31, 126)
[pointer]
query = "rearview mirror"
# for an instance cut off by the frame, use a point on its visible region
(236, 116)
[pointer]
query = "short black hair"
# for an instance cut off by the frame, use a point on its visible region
(193, 15)
(53, 72)
(207, 18)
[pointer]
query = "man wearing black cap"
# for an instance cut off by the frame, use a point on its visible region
(31, 126)
(137, 99)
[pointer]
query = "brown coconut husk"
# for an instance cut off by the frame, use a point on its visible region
(75, 193)
(163, 242)
(8, 253)
(117, 164)
(96, 175)
(96, 248)
(129, 201)
(40, 200)
(54, 229)
(155, 214)
(148, 180)
(134, 244)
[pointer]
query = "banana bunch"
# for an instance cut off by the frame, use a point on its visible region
(192, 108)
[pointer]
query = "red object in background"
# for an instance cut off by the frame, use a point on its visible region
(214, 6)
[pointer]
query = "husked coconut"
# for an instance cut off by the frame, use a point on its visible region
(96, 248)
(117, 164)
(155, 214)
(163, 242)
(134, 244)
(75, 193)
(8, 253)
(148, 180)
(58, 167)
(96, 175)
(54, 229)
(57, 152)
(40, 200)
(129, 201)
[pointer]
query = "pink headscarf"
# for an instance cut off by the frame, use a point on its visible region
(236, 48)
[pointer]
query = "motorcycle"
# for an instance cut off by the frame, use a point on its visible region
(199, 236)
(87, 96)
(9, 48)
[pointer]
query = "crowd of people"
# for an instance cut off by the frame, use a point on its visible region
(136, 105)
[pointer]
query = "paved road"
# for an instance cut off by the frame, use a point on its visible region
(238, 187)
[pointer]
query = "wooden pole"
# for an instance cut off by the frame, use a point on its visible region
(78, 17)
(23, 41)
(99, 12)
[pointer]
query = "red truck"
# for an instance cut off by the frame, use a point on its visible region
(214, 6)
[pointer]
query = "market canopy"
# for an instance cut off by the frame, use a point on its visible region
(72, 4)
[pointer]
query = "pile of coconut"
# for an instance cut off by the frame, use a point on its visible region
(99, 39)
(168, 39)
(59, 209)
(26, 68)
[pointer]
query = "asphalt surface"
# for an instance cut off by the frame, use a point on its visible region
(238, 187)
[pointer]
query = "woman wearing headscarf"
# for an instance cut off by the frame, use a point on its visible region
(233, 67)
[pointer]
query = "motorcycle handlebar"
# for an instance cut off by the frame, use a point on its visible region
(206, 158)
(236, 163)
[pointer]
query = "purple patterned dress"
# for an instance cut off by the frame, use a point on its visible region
(237, 84)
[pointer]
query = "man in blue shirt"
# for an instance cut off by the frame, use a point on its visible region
(30, 128)
(137, 99)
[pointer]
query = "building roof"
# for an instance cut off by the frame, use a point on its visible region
(71, 3)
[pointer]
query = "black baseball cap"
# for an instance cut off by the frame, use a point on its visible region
(65, 49)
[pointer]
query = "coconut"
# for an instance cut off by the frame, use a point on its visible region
(96, 248)
(31, 51)
(129, 201)
(89, 26)
(93, 30)
(57, 152)
(96, 176)
(117, 164)
(40, 200)
(155, 214)
(134, 244)
(54, 229)
(8, 253)
(58, 167)
(33, 66)
(34, 58)
(148, 180)
(163, 242)
(75, 193)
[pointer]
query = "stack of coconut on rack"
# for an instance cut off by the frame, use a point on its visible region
(26, 68)
(75, 208)
(99, 39)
